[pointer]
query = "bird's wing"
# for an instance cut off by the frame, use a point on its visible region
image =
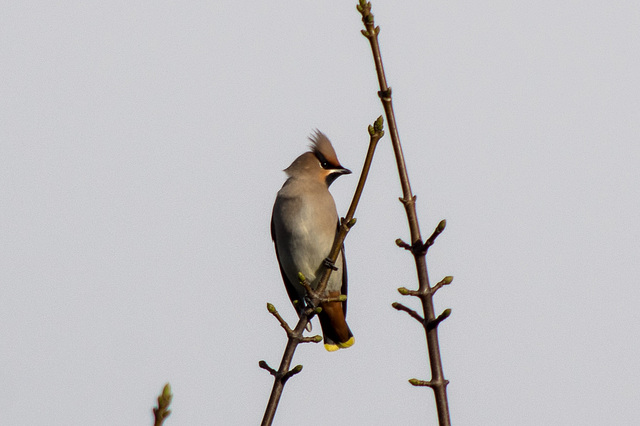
(343, 289)
(291, 291)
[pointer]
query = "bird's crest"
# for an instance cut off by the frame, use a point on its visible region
(320, 144)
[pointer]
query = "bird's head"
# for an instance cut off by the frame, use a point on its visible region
(320, 163)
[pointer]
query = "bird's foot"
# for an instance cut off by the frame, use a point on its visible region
(329, 264)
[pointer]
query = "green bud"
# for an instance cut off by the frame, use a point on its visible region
(379, 123)
(271, 308)
(301, 277)
(403, 290)
(447, 279)
(317, 338)
(442, 225)
(342, 298)
(166, 392)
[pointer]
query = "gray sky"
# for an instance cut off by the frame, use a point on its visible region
(142, 145)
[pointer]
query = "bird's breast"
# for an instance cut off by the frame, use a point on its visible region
(305, 228)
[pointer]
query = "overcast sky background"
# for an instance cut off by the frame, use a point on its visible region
(141, 147)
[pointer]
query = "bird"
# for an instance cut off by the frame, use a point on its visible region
(304, 223)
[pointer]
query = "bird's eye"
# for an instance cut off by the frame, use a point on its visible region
(323, 161)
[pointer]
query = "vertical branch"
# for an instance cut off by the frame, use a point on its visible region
(316, 297)
(438, 383)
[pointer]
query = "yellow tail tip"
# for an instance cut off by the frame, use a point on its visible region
(348, 343)
(331, 347)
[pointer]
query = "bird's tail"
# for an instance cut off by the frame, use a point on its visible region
(334, 326)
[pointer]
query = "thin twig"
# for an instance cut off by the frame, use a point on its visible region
(317, 296)
(417, 247)
(161, 412)
(445, 281)
(414, 314)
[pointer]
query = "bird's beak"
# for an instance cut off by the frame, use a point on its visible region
(335, 173)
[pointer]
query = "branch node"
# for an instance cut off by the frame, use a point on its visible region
(408, 201)
(295, 370)
(418, 248)
(434, 323)
(411, 312)
(348, 224)
(384, 95)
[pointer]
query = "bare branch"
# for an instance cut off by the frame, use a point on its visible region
(418, 249)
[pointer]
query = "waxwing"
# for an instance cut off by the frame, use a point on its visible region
(303, 226)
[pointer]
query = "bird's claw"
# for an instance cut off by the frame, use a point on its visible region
(329, 264)
(307, 300)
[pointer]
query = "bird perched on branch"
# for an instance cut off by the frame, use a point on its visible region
(303, 226)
